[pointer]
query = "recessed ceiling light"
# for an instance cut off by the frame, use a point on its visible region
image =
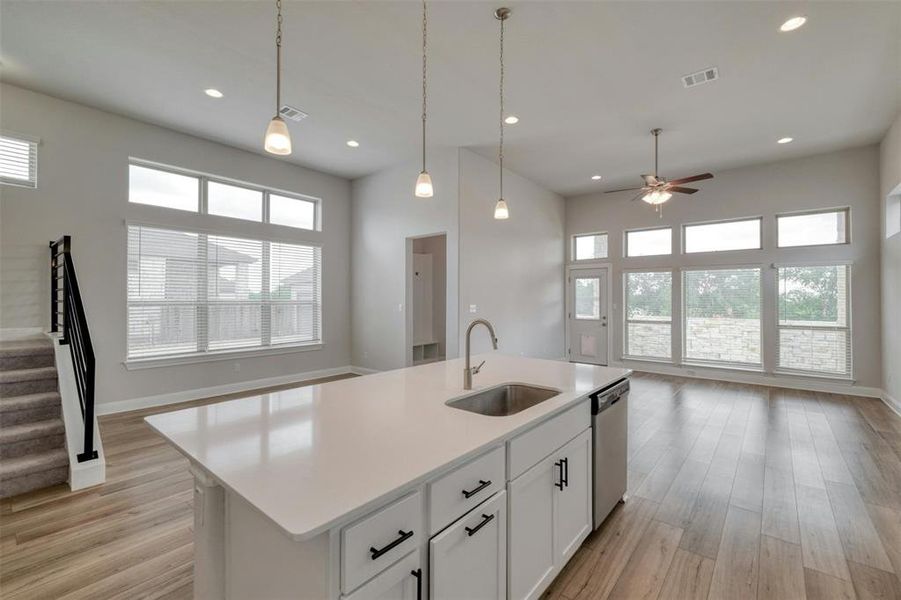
(213, 93)
(353, 143)
(793, 23)
(785, 140)
(511, 120)
(595, 177)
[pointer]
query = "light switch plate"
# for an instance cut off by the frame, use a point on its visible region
(473, 308)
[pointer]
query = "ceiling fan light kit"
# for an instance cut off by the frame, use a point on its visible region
(278, 139)
(656, 189)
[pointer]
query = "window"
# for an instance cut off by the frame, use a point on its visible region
(649, 314)
(163, 188)
(233, 201)
(721, 312)
(813, 228)
(722, 236)
(649, 242)
(192, 293)
(18, 161)
(893, 213)
(814, 328)
(590, 246)
(195, 192)
(292, 212)
(588, 298)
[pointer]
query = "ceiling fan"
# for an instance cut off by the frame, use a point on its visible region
(656, 189)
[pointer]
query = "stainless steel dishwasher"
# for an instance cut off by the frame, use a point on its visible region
(610, 446)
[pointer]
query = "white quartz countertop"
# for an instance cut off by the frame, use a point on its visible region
(309, 458)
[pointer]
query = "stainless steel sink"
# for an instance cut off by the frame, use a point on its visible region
(503, 400)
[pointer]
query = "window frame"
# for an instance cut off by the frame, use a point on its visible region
(626, 233)
(203, 195)
(816, 211)
(572, 247)
(626, 320)
(849, 376)
(758, 218)
(202, 337)
(721, 364)
(33, 142)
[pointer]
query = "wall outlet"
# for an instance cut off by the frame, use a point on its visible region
(473, 308)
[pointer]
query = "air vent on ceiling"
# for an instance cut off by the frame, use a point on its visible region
(289, 112)
(705, 76)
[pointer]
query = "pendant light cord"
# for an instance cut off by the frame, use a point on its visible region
(500, 147)
(424, 48)
(278, 58)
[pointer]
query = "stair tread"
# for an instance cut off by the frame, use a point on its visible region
(30, 431)
(29, 401)
(33, 463)
(36, 374)
(25, 348)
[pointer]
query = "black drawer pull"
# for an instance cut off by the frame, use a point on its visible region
(485, 520)
(565, 462)
(404, 535)
(417, 573)
(482, 485)
(559, 484)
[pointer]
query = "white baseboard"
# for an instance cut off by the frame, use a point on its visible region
(11, 334)
(781, 381)
(892, 403)
(362, 370)
(109, 408)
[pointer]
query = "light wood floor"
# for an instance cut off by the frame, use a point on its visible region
(735, 492)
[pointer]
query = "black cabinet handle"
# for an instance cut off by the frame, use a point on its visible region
(565, 462)
(470, 531)
(404, 535)
(417, 573)
(559, 485)
(482, 485)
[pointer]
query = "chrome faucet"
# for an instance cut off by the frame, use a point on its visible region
(468, 371)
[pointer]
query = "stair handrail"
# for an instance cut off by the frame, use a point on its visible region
(66, 302)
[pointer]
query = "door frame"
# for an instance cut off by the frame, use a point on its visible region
(567, 308)
(408, 293)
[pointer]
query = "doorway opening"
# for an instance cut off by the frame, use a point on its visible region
(426, 337)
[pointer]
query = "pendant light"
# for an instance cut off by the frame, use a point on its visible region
(424, 187)
(500, 209)
(278, 138)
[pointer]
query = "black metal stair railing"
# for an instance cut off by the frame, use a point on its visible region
(67, 318)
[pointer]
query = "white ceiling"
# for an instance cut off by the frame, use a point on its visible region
(588, 79)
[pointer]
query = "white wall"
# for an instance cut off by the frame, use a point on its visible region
(385, 214)
(83, 191)
(845, 178)
(890, 176)
(512, 270)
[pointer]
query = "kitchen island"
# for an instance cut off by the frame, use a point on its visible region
(364, 487)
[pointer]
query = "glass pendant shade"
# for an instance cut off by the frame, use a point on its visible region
(424, 186)
(656, 197)
(278, 139)
(500, 210)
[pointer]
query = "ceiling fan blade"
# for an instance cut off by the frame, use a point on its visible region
(681, 190)
(650, 179)
(639, 196)
(700, 177)
(623, 190)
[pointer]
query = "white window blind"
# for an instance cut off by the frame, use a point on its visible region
(193, 293)
(814, 325)
(649, 314)
(18, 161)
(721, 312)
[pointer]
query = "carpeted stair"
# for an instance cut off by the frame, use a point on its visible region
(32, 435)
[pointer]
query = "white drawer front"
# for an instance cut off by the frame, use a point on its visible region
(527, 449)
(403, 581)
(380, 539)
(461, 490)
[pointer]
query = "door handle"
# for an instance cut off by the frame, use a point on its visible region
(559, 485)
(566, 471)
(417, 573)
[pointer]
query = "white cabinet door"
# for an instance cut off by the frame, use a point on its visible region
(402, 581)
(572, 503)
(531, 556)
(468, 560)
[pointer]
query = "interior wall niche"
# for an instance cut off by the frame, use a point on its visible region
(427, 282)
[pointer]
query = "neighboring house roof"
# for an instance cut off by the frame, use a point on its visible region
(178, 245)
